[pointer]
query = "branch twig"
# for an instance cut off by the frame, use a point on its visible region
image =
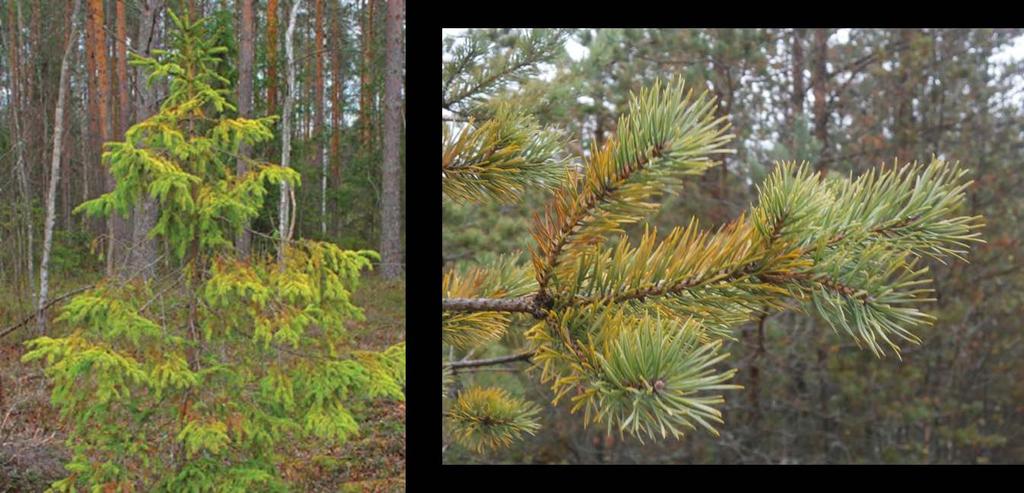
(523, 304)
(491, 361)
(50, 303)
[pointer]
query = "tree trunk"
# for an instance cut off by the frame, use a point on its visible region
(90, 159)
(116, 225)
(144, 249)
(17, 140)
(318, 113)
(121, 48)
(391, 217)
(86, 119)
(336, 97)
(904, 128)
(818, 81)
(366, 79)
(286, 130)
(245, 60)
(271, 57)
(51, 197)
(798, 79)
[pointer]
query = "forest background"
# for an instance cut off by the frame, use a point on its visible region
(845, 100)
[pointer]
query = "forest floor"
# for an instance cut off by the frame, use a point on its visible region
(32, 449)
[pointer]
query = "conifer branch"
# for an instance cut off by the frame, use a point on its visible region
(463, 86)
(522, 304)
(525, 356)
(499, 158)
(666, 135)
(631, 332)
(587, 202)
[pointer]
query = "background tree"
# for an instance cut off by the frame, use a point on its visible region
(246, 42)
(391, 220)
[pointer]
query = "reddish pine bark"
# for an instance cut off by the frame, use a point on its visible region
(120, 47)
(336, 100)
(366, 77)
(272, 56)
(245, 61)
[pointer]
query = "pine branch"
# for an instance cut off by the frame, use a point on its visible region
(575, 220)
(487, 418)
(499, 158)
(522, 304)
(666, 135)
(467, 77)
(526, 356)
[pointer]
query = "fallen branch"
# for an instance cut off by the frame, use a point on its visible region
(45, 307)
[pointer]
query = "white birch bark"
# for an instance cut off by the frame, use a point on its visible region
(51, 196)
(286, 124)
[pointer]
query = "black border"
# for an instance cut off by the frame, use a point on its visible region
(424, 460)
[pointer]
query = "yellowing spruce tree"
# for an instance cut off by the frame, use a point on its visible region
(195, 384)
(629, 333)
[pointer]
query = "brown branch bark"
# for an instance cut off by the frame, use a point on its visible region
(523, 304)
(526, 356)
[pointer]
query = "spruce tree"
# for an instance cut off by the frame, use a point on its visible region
(198, 383)
(630, 332)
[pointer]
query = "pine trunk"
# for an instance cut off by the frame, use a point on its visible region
(121, 48)
(91, 170)
(144, 252)
(272, 57)
(904, 129)
(336, 100)
(391, 218)
(116, 225)
(365, 78)
(798, 80)
(245, 61)
(318, 112)
(818, 81)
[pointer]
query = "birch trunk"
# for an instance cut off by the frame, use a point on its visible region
(58, 135)
(286, 129)
(318, 113)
